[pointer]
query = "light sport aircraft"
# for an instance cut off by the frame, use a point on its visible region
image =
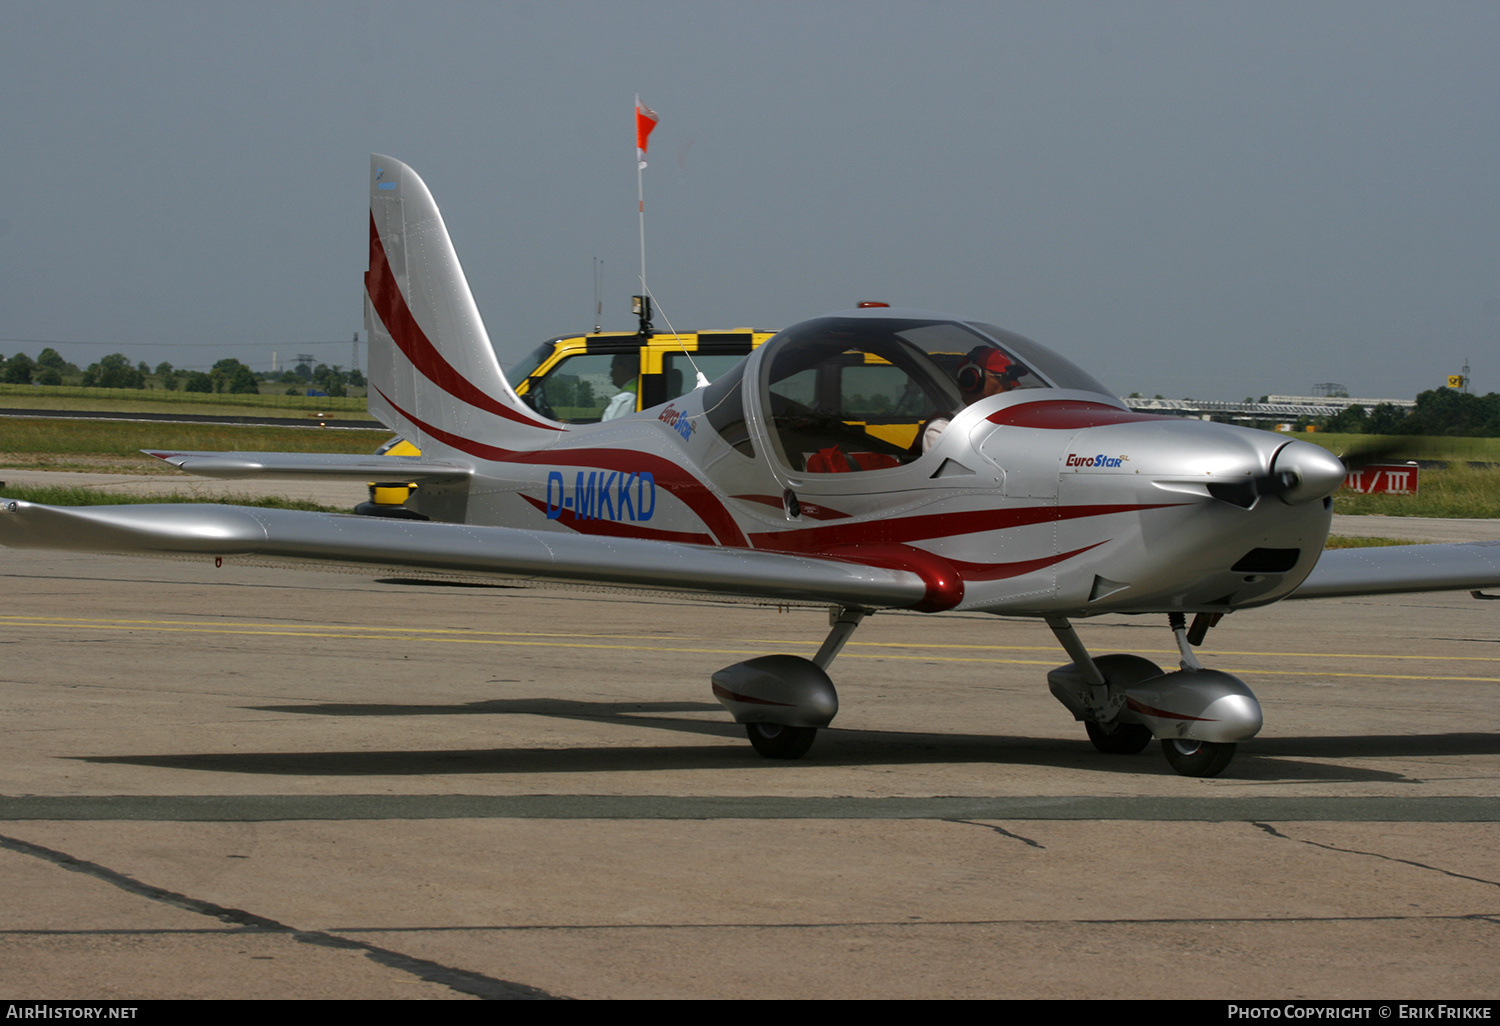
(803, 476)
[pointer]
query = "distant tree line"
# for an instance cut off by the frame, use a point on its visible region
(47, 369)
(323, 379)
(228, 376)
(1441, 411)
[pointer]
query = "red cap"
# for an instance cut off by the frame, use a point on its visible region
(994, 360)
(989, 359)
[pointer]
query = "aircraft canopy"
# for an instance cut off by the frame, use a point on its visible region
(856, 392)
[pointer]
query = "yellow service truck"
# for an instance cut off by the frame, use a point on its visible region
(574, 378)
(579, 379)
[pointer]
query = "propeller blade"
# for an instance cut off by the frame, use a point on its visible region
(1301, 472)
(1380, 451)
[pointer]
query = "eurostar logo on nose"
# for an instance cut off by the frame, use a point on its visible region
(613, 495)
(1075, 460)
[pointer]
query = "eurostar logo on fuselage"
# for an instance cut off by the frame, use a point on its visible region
(1075, 460)
(678, 421)
(602, 495)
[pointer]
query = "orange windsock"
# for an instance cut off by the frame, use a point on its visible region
(645, 121)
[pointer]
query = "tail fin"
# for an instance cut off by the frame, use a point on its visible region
(434, 375)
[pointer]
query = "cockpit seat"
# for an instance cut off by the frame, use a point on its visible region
(834, 460)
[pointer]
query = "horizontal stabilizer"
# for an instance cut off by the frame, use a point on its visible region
(238, 465)
(1403, 568)
(453, 550)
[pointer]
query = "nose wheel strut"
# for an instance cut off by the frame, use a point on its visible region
(1124, 701)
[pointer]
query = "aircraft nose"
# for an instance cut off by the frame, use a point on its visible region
(1317, 472)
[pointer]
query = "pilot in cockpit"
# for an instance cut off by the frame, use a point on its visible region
(985, 371)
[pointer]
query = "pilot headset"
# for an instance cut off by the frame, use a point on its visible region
(970, 376)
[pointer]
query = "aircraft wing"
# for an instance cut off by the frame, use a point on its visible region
(452, 550)
(1403, 568)
(237, 465)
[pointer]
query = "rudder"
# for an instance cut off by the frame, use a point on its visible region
(434, 376)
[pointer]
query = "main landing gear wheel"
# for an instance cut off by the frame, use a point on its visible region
(1116, 738)
(775, 741)
(1125, 739)
(1197, 758)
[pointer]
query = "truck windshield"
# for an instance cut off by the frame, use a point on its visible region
(527, 365)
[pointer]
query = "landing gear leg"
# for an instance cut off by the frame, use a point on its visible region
(1102, 701)
(1124, 701)
(793, 690)
(1188, 756)
(841, 622)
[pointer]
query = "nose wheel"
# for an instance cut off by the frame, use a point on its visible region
(1197, 758)
(1124, 701)
(775, 741)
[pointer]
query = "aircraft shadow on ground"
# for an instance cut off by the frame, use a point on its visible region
(1271, 759)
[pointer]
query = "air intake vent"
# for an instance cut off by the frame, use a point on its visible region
(1267, 561)
(1238, 493)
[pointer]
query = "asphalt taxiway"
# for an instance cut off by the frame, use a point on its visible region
(254, 782)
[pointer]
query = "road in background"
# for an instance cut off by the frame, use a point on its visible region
(1418, 529)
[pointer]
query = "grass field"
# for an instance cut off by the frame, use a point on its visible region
(1457, 491)
(114, 445)
(53, 495)
(124, 400)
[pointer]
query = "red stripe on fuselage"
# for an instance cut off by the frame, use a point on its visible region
(900, 530)
(882, 543)
(390, 306)
(1067, 415)
(678, 482)
(945, 578)
(1004, 571)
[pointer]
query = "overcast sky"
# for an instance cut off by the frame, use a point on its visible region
(1197, 199)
